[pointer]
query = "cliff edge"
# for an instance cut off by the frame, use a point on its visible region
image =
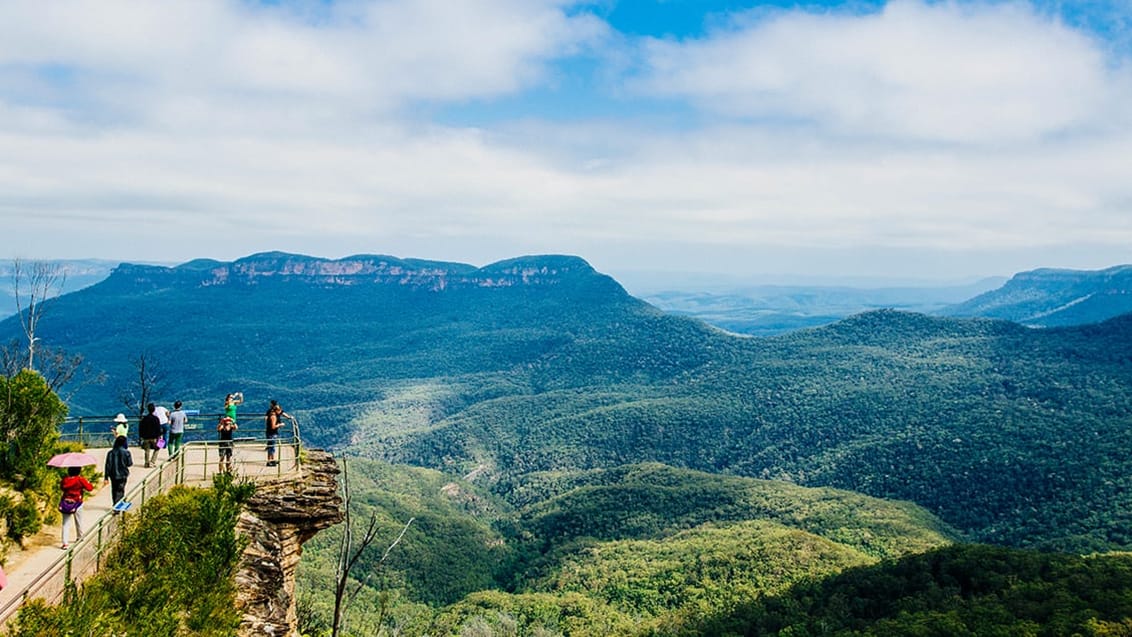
(277, 520)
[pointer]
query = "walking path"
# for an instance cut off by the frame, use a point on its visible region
(42, 551)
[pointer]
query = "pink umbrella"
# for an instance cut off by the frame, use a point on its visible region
(3, 579)
(71, 459)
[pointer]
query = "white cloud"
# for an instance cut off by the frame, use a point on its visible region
(220, 129)
(359, 57)
(971, 73)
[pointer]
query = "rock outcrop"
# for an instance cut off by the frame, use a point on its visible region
(281, 516)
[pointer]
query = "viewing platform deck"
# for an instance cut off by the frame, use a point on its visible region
(42, 569)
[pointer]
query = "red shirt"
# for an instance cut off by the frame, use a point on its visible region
(72, 487)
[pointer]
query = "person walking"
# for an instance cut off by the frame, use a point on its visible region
(177, 421)
(117, 469)
(71, 505)
(273, 420)
(224, 429)
(149, 430)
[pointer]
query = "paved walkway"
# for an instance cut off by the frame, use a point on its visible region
(43, 550)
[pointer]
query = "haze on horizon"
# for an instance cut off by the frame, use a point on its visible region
(908, 139)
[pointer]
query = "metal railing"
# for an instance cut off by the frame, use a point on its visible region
(196, 463)
(97, 431)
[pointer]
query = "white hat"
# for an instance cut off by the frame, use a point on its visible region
(120, 418)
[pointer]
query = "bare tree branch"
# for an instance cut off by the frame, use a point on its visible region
(348, 556)
(149, 379)
(43, 280)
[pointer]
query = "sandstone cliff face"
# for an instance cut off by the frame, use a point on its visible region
(278, 519)
(359, 270)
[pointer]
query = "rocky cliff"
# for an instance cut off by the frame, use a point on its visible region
(278, 519)
(270, 267)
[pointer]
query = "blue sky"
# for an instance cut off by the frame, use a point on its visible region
(908, 139)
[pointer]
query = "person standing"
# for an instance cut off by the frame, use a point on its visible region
(120, 428)
(273, 420)
(163, 418)
(224, 429)
(177, 421)
(149, 430)
(71, 505)
(230, 403)
(117, 469)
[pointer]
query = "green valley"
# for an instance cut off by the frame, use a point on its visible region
(635, 546)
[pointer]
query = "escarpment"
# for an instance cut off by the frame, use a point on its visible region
(281, 516)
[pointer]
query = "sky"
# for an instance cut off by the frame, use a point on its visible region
(899, 140)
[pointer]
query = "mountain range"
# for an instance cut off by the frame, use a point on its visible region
(580, 459)
(540, 363)
(1039, 298)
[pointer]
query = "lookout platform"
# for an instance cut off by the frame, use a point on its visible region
(41, 569)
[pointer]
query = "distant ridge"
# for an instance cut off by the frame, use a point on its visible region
(1051, 297)
(256, 269)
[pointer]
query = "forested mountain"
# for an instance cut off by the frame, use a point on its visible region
(1049, 297)
(540, 364)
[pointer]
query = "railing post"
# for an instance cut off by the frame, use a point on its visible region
(181, 465)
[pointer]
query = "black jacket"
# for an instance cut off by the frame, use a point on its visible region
(149, 428)
(118, 463)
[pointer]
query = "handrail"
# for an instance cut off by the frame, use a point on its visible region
(84, 557)
(95, 431)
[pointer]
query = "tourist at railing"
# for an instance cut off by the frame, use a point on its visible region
(177, 421)
(225, 427)
(121, 428)
(149, 430)
(163, 418)
(273, 420)
(231, 401)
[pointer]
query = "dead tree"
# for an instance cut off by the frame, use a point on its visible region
(348, 555)
(148, 380)
(31, 286)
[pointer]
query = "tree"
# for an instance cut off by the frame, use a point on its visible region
(31, 287)
(348, 555)
(30, 415)
(148, 381)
